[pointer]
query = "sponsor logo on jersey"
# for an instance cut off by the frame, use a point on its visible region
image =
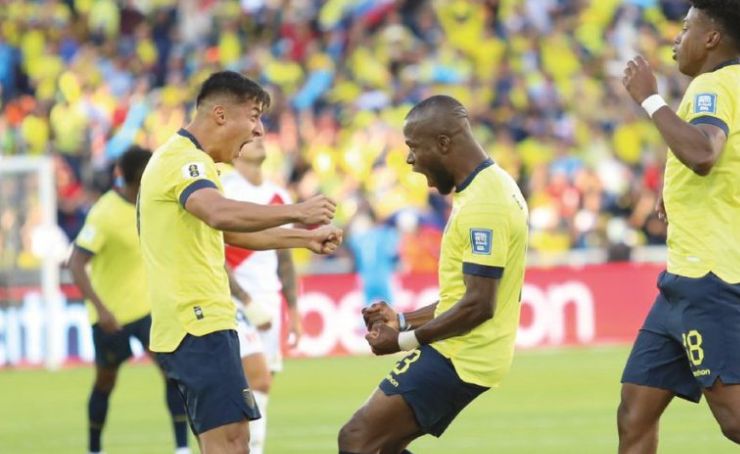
(705, 103)
(702, 372)
(481, 241)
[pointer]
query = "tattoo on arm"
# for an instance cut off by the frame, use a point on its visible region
(287, 275)
(236, 290)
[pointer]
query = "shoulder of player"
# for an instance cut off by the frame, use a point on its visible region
(232, 183)
(281, 192)
(481, 207)
(182, 161)
(179, 149)
(486, 192)
(104, 205)
(712, 81)
(229, 176)
(492, 196)
(487, 179)
(104, 213)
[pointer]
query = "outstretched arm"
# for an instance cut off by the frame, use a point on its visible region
(324, 240)
(221, 213)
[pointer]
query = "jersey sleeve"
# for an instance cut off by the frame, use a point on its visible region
(194, 173)
(484, 237)
(91, 238)
(711, 102)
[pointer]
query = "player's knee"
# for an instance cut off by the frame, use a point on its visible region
(346, 434)
(261, 383)
(105, 382)
(238, 448)
(238, 442)
(627, 419)
(731, 429)
(350, 435)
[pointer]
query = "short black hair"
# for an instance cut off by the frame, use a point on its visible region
(232, 83)
(726, 13)
(133, 162)
(439, 104)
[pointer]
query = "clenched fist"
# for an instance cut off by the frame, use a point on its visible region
(325, 240)
(383, 339)
(319, 209)
(380, 312)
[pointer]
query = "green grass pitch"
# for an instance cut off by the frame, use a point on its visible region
(554, 401)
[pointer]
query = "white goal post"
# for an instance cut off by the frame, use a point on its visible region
(18, 173)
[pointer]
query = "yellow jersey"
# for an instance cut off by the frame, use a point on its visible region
(184, 257)
(116, 268)
(704, 211)
(486, 235)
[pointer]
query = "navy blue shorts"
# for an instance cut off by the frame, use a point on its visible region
(428, 383)
(690, 338)
(209, 375)
(113, 349)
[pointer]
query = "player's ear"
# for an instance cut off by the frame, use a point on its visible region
(443, 142)
(219, 114)
(712, 39)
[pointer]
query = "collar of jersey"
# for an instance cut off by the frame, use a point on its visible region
(734, 61)
(185, 133)
(466, 182)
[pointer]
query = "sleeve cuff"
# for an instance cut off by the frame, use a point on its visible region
(714, 121)
(476, 269)
(83, 250)
(194, 186)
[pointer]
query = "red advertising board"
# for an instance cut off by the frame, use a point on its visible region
(560, 306)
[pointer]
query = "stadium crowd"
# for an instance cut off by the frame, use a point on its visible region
(82, 80)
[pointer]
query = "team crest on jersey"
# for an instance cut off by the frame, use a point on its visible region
(705, 103)
(481, 240)
(193, 170)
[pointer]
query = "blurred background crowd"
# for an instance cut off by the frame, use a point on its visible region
(82, 80)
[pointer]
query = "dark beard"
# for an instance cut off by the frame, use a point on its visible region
(444, 182)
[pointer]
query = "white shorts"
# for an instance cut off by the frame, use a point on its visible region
(252, 340)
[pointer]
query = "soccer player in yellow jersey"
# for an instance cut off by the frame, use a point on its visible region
(462, 345)
(184, 220)
(116, 294)
(689, 344)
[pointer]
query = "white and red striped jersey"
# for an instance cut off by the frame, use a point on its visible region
(255, 271)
